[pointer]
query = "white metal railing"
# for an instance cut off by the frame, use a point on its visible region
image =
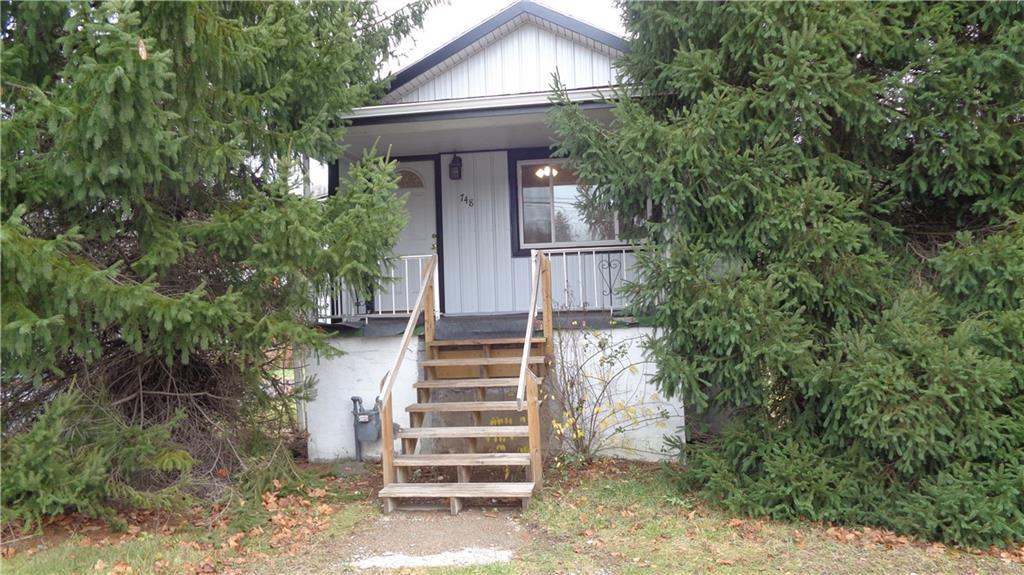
(396, 299)
(590, 278)
(582, 278)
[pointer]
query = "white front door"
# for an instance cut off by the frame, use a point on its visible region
(417, 238)
(417, 184)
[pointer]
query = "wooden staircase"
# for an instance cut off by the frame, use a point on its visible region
(470, 431)
(476, 421)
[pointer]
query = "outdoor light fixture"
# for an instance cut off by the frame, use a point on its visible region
(546, 171)
(455, 168)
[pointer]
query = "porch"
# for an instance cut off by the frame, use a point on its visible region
(586, 282)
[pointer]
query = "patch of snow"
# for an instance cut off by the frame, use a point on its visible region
(468, 556)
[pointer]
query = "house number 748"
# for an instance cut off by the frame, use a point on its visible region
(466, 200)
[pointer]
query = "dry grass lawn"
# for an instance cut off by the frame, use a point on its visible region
(607, 519)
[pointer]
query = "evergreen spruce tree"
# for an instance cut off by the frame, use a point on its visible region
(836, 250)
(153, 257)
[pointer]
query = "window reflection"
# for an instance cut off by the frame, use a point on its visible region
(557, 209)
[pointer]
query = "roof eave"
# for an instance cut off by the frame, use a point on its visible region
(481, 104)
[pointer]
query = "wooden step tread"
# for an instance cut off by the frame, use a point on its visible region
(475, 361)
(457, 490)
(450, 432)
(467, 406)
(483, 341)
(467, 383)
(462, 459)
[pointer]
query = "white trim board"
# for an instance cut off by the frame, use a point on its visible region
(478, 103)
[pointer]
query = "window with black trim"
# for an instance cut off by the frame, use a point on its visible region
(557, 210)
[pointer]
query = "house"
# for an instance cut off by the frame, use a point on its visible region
(494, 236)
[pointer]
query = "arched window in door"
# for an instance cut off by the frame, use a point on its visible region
(409, 179)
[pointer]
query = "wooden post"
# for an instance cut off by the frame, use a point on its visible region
(545, 282)
(387, 455)
(429, 324)
(533, 427)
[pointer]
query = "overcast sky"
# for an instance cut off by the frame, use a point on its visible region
(448, 21)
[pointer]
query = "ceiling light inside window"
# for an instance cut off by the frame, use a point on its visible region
(546, 171)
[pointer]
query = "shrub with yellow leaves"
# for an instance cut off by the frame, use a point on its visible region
(602, 392)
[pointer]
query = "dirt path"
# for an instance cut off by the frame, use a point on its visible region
(415, 540)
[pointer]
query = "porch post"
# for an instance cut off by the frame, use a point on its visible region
(437, 286)
(429, 304)
(533, 428)
(545, 280)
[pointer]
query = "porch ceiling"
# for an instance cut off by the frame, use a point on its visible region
(428, 136)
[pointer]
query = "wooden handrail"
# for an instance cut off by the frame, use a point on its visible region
(424, 301)
(410, 327)
(530, 314)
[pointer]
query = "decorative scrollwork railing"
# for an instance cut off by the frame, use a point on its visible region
(591, 278)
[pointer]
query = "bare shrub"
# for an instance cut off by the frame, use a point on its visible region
(602, 392)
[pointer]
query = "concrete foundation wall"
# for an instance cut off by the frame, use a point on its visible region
(359, 371)
(366, 359)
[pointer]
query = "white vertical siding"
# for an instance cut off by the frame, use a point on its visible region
(480, 274)
(476, 77)
(519, 62)
(603, 74)
(546, 62)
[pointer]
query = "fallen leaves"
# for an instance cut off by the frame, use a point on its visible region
(1009, 555)
(205, 566)
(292, 521)
(119, 568)
(296, 519)
(132, 532)
(872, 537)
(868, 535)
(235, 540)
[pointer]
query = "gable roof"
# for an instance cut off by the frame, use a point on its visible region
(486, 33)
